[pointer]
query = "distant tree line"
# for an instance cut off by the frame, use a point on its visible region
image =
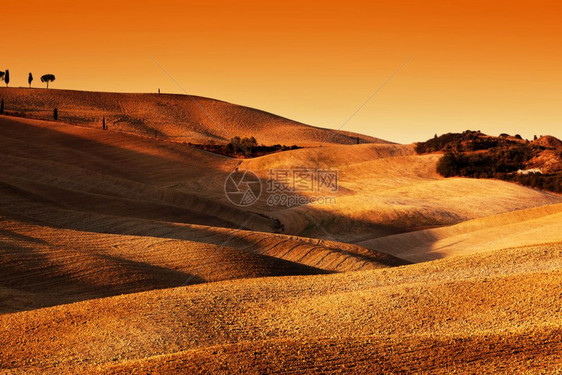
(46, 78)
(500, 164)
(5, 76)
(489, 164)
(242, 145)
(464, 142)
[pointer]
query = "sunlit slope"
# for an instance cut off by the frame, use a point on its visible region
(387, 189)
(181, 118)
(86, 213)
(517, 228)
(44, 266)
(106, 228)
(488, 312)
(327, 157)
(383, 189)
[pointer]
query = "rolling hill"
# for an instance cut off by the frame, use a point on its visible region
(490, 312)
(383, 189)
(181, 118)
(387, 189)
(120, 253)
(516, 228)
(90, 213)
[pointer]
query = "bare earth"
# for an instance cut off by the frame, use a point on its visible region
(121, 254)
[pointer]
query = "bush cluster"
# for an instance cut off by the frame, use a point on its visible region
(243, 148)
(472, 154)
(500, 164)
(488, 164)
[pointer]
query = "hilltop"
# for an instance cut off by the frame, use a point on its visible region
(548, 141)
(181, 118)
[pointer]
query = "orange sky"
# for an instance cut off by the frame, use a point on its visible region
(494, 66)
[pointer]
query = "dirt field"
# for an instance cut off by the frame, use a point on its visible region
(121, 254)
(180, 118)
(491, 312)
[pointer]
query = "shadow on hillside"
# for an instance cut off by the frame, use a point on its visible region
(129, 171)
(31, 279)
(139, 176)
(143, 208)
(36, 274)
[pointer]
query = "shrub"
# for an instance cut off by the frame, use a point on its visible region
(500, 163)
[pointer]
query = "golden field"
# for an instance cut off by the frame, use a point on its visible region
(120, 252)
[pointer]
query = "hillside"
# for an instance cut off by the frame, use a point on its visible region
(491, 312)
(549, 142)
(383, 189)
(180, 118)
(511, 229)
(44, 266)
(121, 253)
(387, 189)
(87, 213)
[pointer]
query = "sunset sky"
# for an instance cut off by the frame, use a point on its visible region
(494, 66)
